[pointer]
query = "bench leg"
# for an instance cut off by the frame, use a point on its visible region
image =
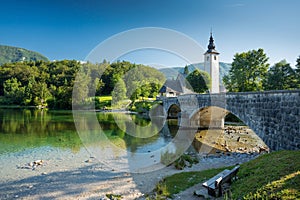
(219, 191)
(215, 193)
(211, 192)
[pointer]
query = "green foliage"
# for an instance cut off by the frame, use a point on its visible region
(280, 77)
(178, 182)
(248, 71)
(81, 86)
(14, 54)
(119, 92)
(186, 70)
(143, 81)
(14, 91)
(185, 160)
(111, 75)
(270, 176)
(199, 81)
(232, 118)
(297, 71)
(114, 196)
(103, 102)
(172, 73)
(22, 129)
(43, 83)
(142, 106)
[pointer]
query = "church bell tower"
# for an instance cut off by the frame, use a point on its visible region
(211, 65)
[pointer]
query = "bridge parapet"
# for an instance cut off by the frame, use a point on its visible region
(273, 115)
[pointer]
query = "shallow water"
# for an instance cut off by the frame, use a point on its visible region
(21, 130)
(116, 138)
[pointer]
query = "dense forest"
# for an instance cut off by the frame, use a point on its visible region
(44, 83)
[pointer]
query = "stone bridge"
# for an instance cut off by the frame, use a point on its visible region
(273, 115)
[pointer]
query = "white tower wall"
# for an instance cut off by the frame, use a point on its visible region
(212, 66)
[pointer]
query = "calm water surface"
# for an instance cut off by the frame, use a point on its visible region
(22, 130)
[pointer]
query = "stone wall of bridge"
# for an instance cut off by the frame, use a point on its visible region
(273, 115)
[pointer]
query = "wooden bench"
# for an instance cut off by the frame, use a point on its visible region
(214, 185)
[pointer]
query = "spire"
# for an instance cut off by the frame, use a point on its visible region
(211, 46)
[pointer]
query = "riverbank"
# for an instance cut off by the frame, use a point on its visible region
(83, 177)
(256, 179)
(64, 174)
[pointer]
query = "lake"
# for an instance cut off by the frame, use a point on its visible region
(119, 140)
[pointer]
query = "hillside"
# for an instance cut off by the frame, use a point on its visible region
(171, 73)
(270, 176)
(10, 54)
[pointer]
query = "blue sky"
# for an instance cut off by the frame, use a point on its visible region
(70, 29)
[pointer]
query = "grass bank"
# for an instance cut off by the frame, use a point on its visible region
(270, 176)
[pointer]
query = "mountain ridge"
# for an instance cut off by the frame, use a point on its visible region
(172, 72)
(9, 54)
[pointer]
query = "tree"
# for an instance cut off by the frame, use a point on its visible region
(186, 70)
(297, 70)
(81, 86)
(41, 94)
(199, 81)
(14, 91)
(248, 71)
(143, 81)
(280, 77)
(119, 92)
(145, 89)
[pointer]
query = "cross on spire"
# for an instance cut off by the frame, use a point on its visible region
(211, 46)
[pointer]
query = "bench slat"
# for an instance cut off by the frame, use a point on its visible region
(214, 184)
(211, 182)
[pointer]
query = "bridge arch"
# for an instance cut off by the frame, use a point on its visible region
(208, 117)
(214, 117)
(174, 111)
(210, 120)
(273, 115)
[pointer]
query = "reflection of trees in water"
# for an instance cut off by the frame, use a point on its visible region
(173, 126)
(36, 128)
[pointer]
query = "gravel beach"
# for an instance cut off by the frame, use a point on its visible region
(78, 178)
(69, 175)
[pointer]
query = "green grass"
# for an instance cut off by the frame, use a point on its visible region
(182, 181)
(143, 106)
(270, 176)
(103, 102)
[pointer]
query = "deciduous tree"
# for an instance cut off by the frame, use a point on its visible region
(248, 71)
(119, 92)
(280, 77)
(199, 81)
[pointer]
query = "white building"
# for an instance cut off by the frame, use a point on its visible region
(211, 65)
